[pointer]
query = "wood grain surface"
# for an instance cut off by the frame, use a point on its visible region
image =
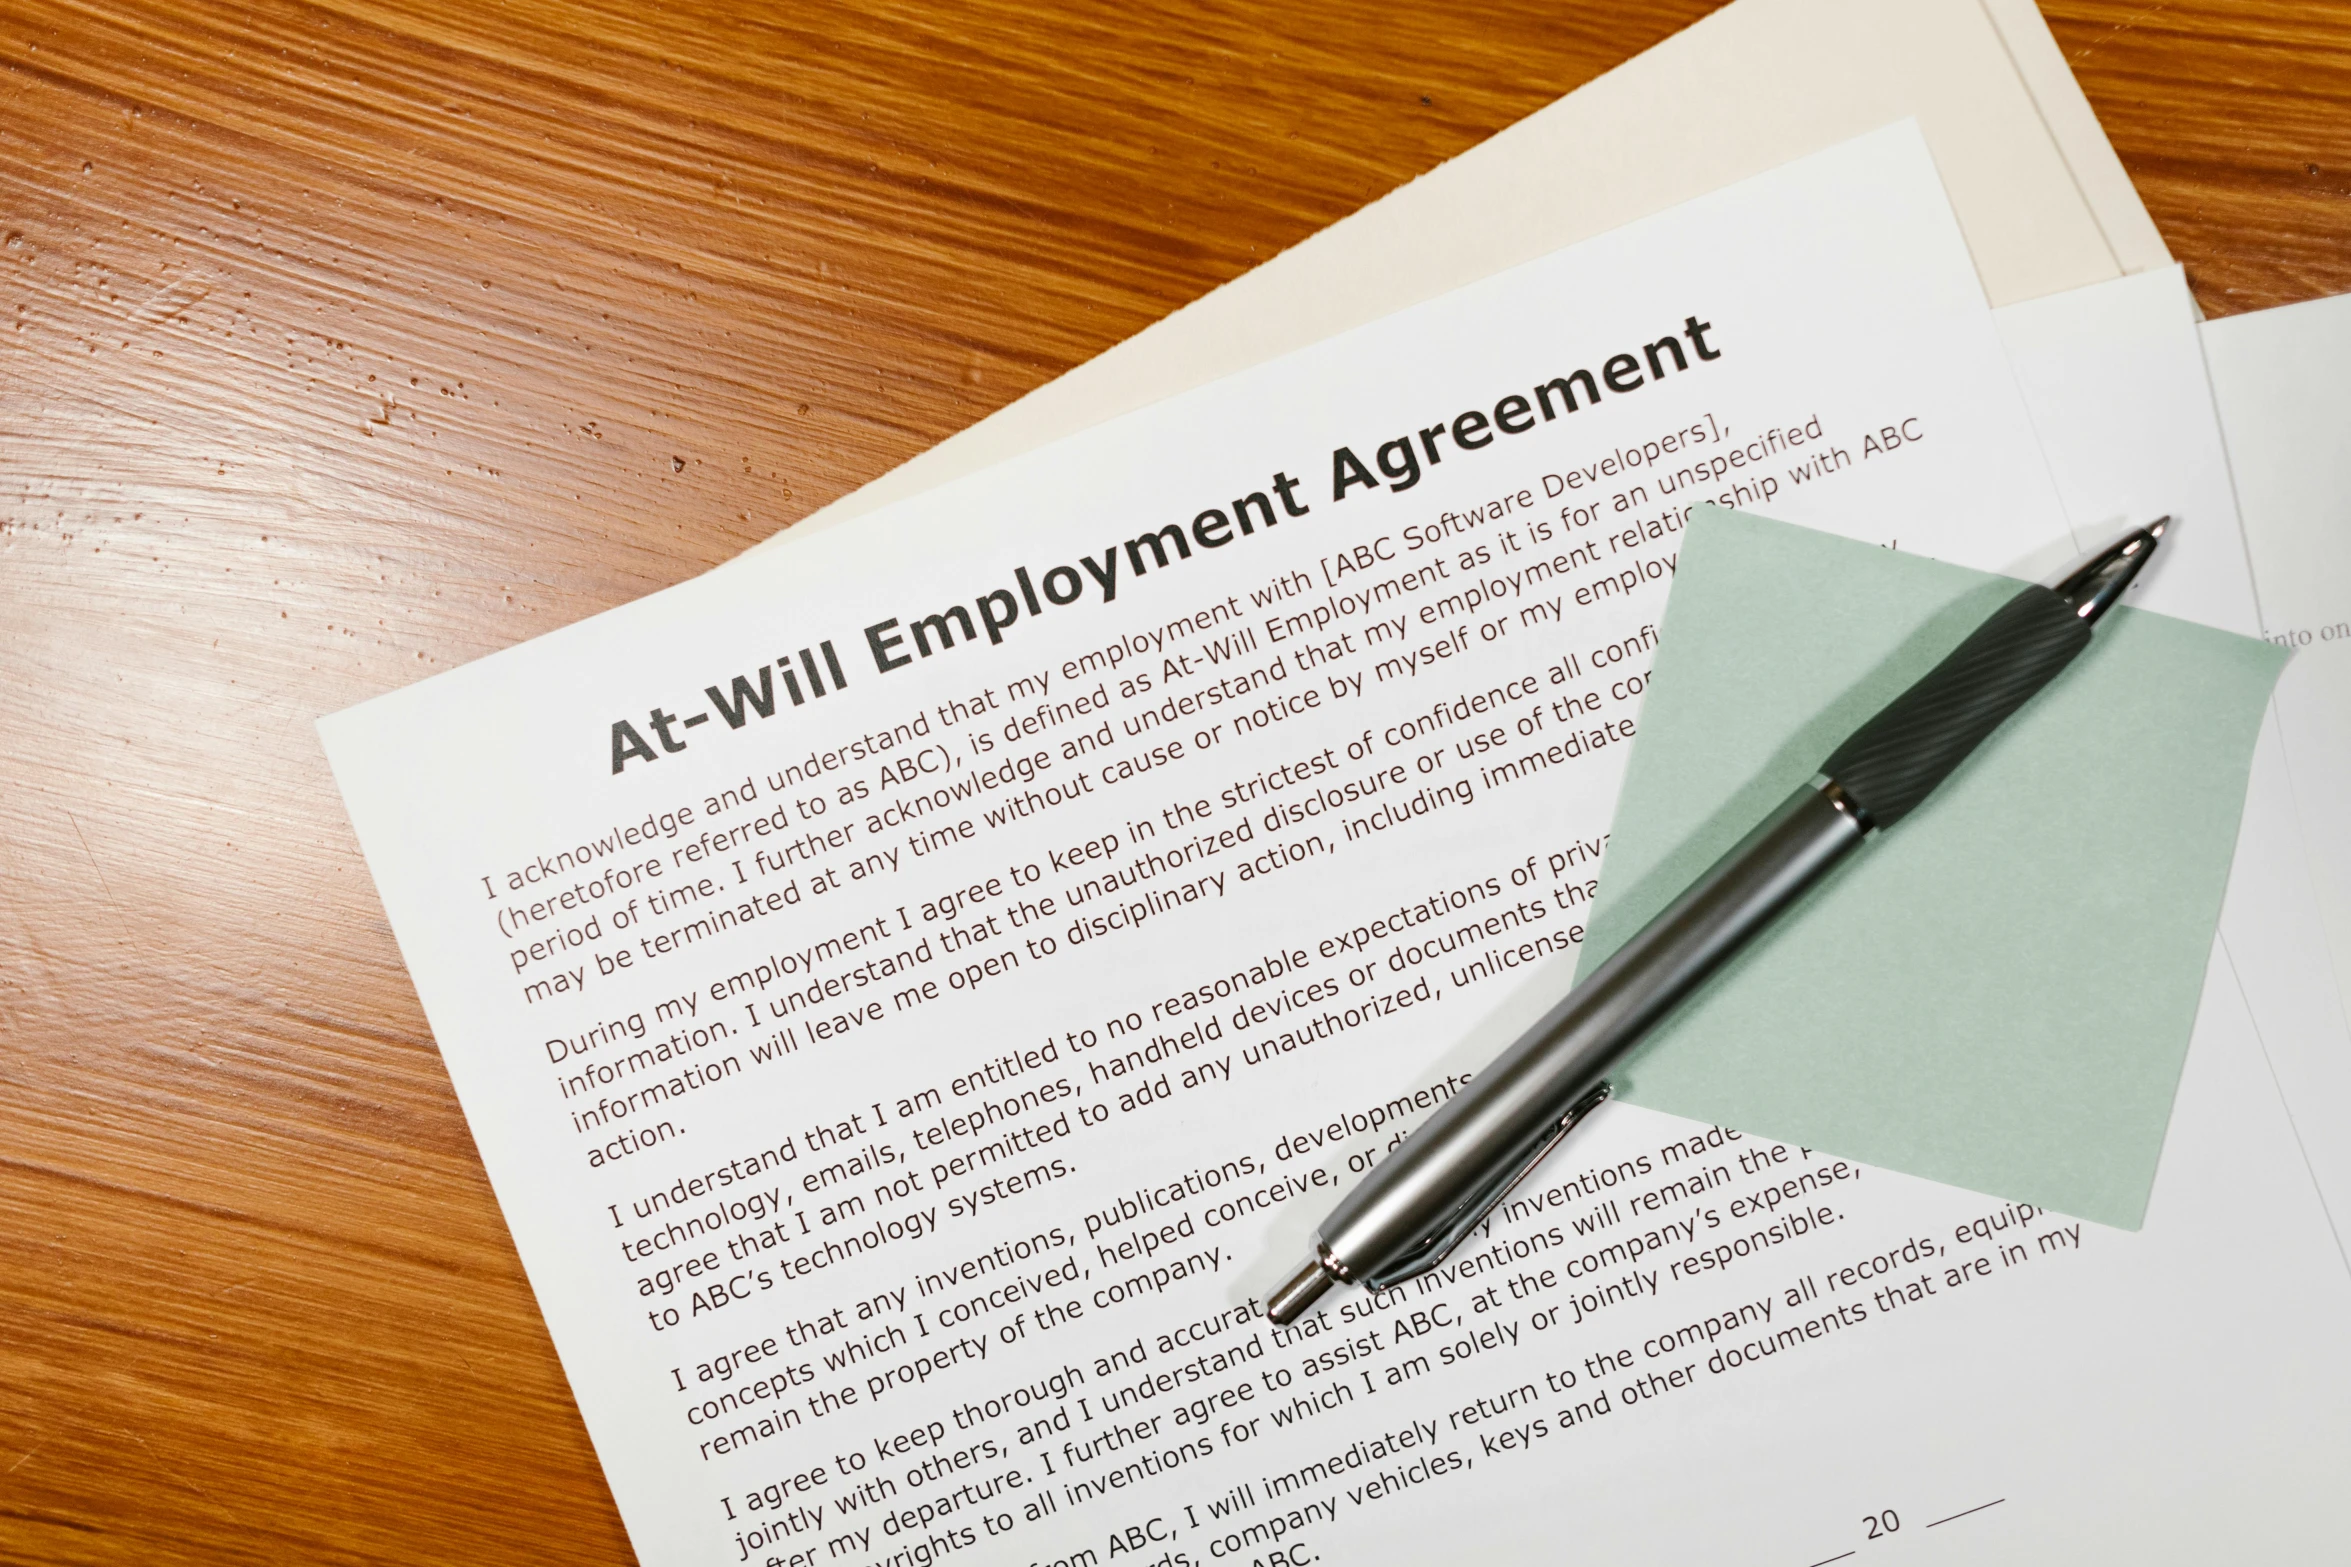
(345, 341)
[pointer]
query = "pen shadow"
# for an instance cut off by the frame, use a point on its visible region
(1793, 763)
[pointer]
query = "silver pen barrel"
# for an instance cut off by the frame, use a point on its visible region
(1416, 1204)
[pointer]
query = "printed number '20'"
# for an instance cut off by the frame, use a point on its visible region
(1882, 1524)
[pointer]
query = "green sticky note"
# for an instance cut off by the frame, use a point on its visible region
(1998, 992)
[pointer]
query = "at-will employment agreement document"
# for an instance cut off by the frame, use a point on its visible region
(912, 1004)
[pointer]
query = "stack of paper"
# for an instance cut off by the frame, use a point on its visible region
(916, 987)
(2038, 191)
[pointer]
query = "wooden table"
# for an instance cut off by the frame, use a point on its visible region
(346, 341)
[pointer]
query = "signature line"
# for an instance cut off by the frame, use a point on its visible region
(1979, 1507)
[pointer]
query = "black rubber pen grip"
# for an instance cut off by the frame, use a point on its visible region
(1894, 761)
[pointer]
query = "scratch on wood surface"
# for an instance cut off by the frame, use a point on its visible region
(2117, 29)
(93, 859)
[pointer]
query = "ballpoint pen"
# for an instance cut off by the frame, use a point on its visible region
(1437, 1186)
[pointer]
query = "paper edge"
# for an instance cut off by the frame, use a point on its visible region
(2098, 172)
(915, 474)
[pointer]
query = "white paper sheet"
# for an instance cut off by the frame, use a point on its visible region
(2280, 379)
(2040, 195)
(2284, 397)
(1060, 1357)
(2115, 377)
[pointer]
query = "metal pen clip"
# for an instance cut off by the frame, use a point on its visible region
(1474, 1211)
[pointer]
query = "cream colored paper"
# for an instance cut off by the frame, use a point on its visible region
(2066, 111)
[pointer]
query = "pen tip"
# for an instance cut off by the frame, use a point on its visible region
(2097, 584)
(1305, 1287)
